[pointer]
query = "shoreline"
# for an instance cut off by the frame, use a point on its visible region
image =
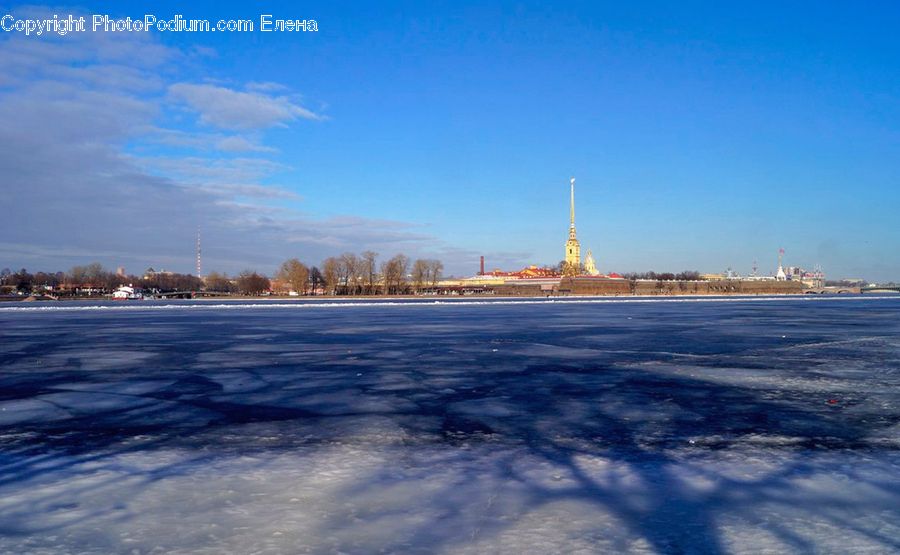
(355, 298)
(447, 298)
(467, 302)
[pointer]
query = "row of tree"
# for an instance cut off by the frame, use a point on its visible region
(23, 280)
(351, 274)
(347, 274)
(93, 278)
(687, 275)
(568, 269)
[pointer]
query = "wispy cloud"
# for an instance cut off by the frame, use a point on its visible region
(239, 110)
(265, 86)
(207, 141)
(194, 169)
(238, 143)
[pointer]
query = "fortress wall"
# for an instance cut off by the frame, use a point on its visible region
(770, 287)
(524, 290)
(621, 287)
(578, 286)
(671, 288)
(581, 286)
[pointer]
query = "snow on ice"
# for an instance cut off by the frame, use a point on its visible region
(766, 425)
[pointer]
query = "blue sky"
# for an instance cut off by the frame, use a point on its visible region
(701, 135)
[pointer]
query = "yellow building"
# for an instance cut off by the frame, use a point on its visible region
(573, 247)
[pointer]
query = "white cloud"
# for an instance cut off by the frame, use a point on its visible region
(238, 143)
(206, 141)
(230, 109)
(82, 112)
(195, 169)
(265, 86)
(204, 51)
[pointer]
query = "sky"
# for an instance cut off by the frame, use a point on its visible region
(701, 136)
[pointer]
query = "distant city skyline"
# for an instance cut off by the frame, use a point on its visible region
(702, 137)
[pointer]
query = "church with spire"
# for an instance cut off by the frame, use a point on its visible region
(573, 247)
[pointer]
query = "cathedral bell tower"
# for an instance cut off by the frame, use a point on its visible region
(573, 248)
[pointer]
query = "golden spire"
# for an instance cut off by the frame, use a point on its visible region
(573, 249)
(572, 205)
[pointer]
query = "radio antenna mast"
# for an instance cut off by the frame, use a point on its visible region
(198, 252)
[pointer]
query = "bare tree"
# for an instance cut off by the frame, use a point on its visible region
(296, 274)
(23, 280)
(331, 274)
(171, 282)
(688, 275)
(419, 273)
(344, 269)
(435, 267)
(367, 269)
(570, 269)
(91, 275)
(349, 272)
(94, 272)
(77, 275)
(44, 279)
(219, 283)
(394, 273)
(315, 279)
(252, 283)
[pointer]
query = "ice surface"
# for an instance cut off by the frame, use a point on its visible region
(709, 426)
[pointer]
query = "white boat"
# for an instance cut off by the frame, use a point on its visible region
(128, 293)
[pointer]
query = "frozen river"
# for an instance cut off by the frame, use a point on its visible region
(658, 426)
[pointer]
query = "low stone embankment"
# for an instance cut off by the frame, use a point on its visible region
(619, 287)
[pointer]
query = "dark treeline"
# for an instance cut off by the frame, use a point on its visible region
(347, 274)
(351, 274)
(687, 275)
(169, 282)
(92, 279)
